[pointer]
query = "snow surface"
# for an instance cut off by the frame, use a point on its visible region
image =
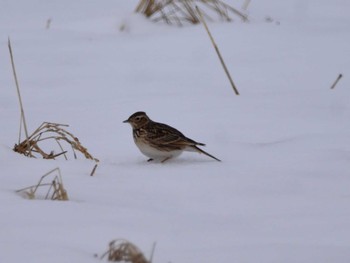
(282, 191)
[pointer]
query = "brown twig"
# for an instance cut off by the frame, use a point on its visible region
(217, 51)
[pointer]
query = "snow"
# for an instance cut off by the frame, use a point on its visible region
(281, 192)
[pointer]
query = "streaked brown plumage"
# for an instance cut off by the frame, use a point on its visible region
(160, 141)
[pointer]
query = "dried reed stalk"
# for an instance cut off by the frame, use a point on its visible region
(122, 250)
(183, 11)
(55, 189)
(217, 51)
(22, 119)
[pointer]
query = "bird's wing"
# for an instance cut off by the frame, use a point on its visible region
(162, 134)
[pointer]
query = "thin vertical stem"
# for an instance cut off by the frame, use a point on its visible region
(217, 51)
(18, 91)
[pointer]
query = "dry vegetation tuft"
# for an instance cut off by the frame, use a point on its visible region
(121, 250)
(179, 12)
(52, 190)
(55, 132)
(33, 145)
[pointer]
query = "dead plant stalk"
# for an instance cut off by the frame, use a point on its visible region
(23, 119)
(217, 51)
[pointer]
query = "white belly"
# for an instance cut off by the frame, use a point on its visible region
(155, 153)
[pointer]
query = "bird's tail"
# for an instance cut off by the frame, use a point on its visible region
(204, 152)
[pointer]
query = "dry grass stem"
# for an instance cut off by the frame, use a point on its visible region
(121, 250)
(336, 81)
(53, 190)
(22, 119)
(51, 132)
(217, 51)
(179, 12)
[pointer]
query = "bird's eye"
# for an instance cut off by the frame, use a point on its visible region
(137, 118)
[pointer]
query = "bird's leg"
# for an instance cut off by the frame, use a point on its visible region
(150, 160)
(165, 159)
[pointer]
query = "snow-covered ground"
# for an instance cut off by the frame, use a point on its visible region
(282, 190)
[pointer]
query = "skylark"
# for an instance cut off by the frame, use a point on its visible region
(159, 141)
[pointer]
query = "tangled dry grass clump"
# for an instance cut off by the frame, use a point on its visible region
(179, 12)
(47, 131)
(52, 190)
(121, 250)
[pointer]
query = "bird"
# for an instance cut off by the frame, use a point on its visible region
(159, 141)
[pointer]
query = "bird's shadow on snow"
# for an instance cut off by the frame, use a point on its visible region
(181, 161)
(172, 162)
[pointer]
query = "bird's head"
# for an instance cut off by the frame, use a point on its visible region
(138, 119)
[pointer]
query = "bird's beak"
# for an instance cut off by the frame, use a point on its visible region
(126, 121)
